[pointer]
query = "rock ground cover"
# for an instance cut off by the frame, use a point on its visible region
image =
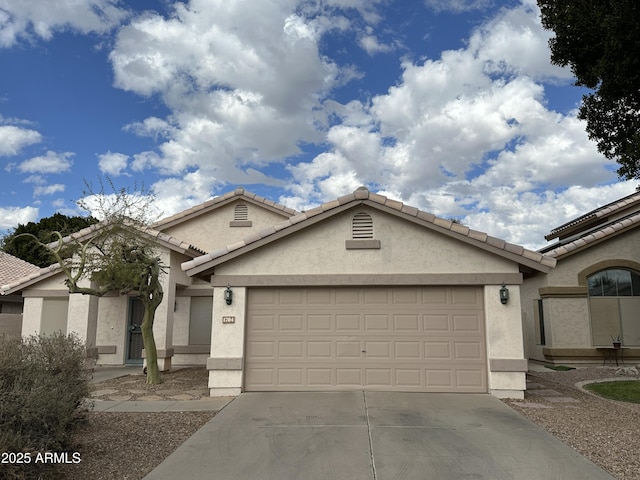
(129, 445)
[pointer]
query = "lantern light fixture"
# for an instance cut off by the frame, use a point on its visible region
(504, 294)
(228, 295)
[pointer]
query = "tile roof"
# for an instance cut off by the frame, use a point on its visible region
(39, 274)
(530, 258)
(239, 192)
(600, 213)
(593, 236)
(13, 268)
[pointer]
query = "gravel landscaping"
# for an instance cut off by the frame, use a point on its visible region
(129, 445)
(604, 431)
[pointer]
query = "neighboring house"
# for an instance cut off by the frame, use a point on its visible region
(359, 293)
(593, 294)
(11, 269)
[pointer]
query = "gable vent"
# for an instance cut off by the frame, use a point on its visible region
(241, 212)
(361, 226)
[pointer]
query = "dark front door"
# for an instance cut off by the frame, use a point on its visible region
(134, 331)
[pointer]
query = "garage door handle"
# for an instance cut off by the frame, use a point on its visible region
(363, 351)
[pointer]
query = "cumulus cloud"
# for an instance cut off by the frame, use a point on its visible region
(51, 162)
(13, 139)
(10, 217)
(113, 163)
(245, 82)
(26, 19)
(48, 189)
(457, 6)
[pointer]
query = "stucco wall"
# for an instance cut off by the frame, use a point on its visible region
(566, 316)
(211, 230)
(405, 248)
(112, 328)
(621, 247)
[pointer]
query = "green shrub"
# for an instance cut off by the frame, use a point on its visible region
(43, 382)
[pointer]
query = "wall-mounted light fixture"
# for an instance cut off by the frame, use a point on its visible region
(228, 295)
(504, 295)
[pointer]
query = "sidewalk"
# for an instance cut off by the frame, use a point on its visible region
(213, 404)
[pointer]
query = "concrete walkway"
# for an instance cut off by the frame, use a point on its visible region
(212, 404)
(372, 436)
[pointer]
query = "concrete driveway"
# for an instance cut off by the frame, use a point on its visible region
(372, 436)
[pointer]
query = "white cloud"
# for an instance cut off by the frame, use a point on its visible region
(245, 82)
(51, 162)
(13, 139)
(457, 6)
(370, 43)
(36, 18)
(48, 189)
(113, 163)
(10, 217)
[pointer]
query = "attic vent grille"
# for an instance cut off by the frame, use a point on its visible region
(361, 226)
(241, 212)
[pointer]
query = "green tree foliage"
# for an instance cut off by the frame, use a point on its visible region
(599, 41)
(29, 250)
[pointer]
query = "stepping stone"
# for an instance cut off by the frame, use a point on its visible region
(200, 393)
(533, 386)
(150, 398)
(532, 405)
(101, 393)
(120, 398)
(167, 392)
(561, 400)
(181, 397)
(545, 393)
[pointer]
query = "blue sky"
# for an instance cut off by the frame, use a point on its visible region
(450, 106)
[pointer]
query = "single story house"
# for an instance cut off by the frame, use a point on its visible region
(12, 269)
(362, 292)
(572, 313)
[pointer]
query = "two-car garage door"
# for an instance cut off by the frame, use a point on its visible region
(423, 339)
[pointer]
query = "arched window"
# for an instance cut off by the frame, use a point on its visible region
(361, 226)
(614, 282)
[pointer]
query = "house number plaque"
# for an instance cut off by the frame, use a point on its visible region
(228, 319)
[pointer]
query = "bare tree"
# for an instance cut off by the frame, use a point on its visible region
(117, 254)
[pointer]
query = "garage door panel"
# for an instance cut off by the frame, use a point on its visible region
(466, 323)
(349, 377)
(291, 323)
(348, 322)
(437, 350)
(406, 323)
(436, 322)
(320, 349)
(377, 322)
(262, 323)
(405, 338)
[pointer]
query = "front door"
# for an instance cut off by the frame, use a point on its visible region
(134, 331)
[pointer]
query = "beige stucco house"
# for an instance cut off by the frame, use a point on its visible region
(11, 270)
(359, 293)
(571, 313)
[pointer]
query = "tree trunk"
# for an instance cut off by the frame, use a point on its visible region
(151, 353)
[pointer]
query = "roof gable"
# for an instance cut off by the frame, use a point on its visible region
(529, 259)
(220, 201)
(12, 268)
(157, 237)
